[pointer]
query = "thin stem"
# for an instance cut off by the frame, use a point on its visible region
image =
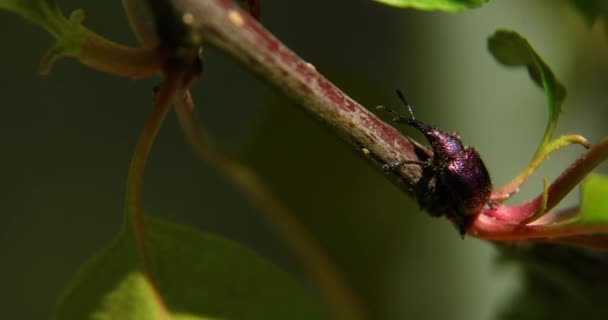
(76, 41)
(488, 229)
(134, 215)
(503, 223)
(137, 21)
(344, 303)
(506, 191)
(576, 172)
(104, 55)
(133, 200)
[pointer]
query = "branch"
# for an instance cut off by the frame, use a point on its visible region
(188, 24)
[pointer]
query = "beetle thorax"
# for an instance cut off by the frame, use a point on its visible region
(446, 146)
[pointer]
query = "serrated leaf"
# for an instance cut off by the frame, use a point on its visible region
(196, 276)
(594, 200)
(440, 5)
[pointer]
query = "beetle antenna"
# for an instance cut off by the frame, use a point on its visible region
(409, 107)
(411, 121)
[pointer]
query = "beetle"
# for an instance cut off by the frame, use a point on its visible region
(455, 182)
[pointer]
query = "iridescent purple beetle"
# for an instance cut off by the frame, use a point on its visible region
(454, 181)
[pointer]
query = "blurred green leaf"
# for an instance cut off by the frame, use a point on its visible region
(594, 200)
(196, 276)
(558, 283)
(441, 5)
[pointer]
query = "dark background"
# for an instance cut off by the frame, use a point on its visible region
(67, 138)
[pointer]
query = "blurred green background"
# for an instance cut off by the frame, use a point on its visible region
(67, 138)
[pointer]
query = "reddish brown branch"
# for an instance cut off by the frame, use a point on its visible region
(224, 25)
(507, 223)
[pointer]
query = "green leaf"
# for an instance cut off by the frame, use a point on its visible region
(196, 276)
(511, 49)
(441, 5)
(594, 200)
(74, 40)
(45, 13)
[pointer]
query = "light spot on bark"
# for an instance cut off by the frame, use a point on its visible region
(188, 19)
(236, 18)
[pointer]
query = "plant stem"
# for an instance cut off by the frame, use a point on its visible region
(133, 211)
(104, 55)
(503, 223)
(542, 154)
(137, 21)
(134, 215)
(76, 41)
(577, 171)
(223, 24)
